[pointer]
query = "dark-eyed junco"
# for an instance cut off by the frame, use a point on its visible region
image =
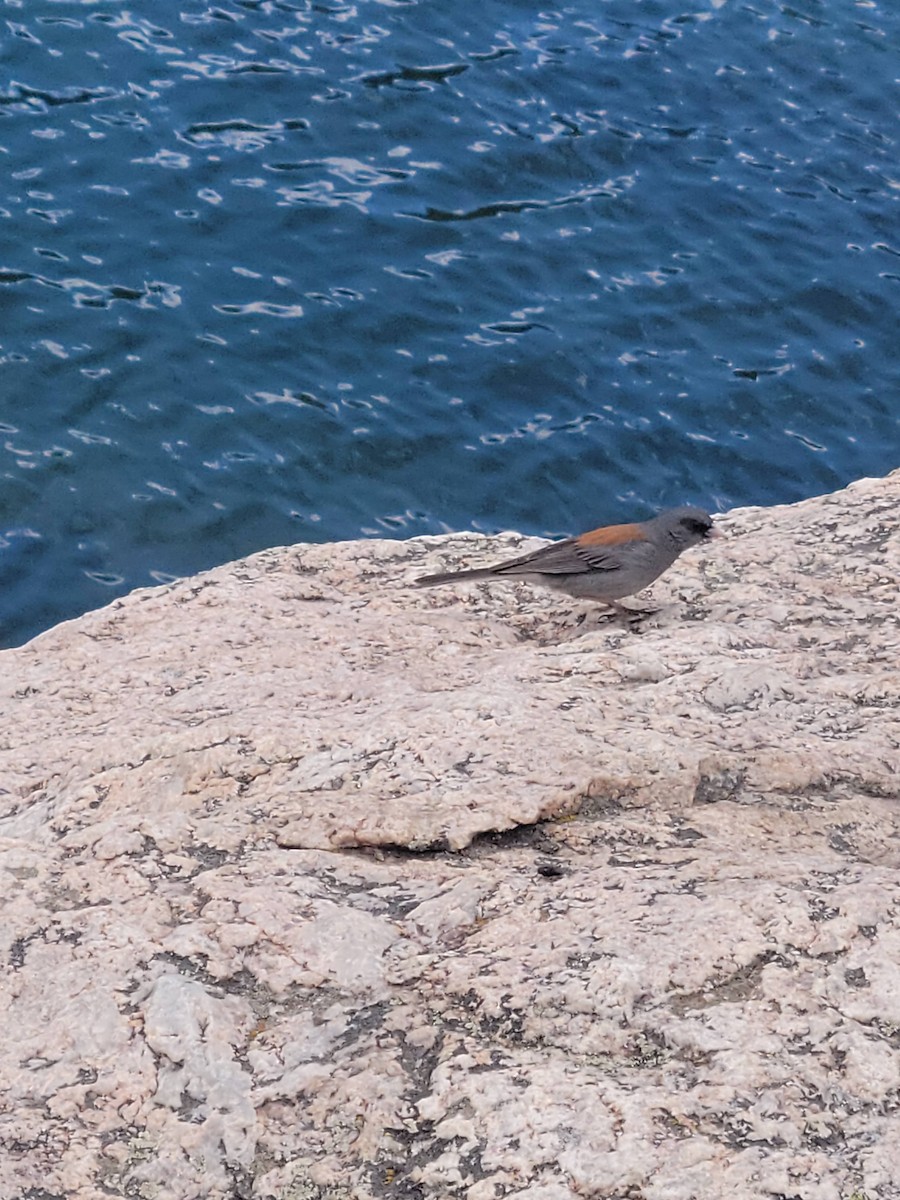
(605, 564)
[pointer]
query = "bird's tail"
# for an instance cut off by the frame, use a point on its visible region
(455, 577)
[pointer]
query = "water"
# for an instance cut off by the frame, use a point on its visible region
(274, 271)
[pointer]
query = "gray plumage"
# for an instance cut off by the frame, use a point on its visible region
(603, 564)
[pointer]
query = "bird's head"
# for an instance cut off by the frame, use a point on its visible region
(685, 527)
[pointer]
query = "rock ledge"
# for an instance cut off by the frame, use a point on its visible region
(317, 885)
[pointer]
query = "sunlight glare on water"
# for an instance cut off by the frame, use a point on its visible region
(275, 271)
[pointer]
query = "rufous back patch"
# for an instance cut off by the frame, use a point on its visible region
(612, 535)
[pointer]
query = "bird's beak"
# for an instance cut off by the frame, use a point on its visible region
(715, 532)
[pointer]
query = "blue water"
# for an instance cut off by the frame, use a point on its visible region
(275, 270)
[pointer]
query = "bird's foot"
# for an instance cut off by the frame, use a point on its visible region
(632, 617)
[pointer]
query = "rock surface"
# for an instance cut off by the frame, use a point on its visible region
(320, 886)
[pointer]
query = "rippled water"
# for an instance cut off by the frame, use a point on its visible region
(275, 271)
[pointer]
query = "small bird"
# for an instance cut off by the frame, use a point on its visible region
(605, 564)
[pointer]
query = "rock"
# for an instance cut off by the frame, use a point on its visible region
(319, 885)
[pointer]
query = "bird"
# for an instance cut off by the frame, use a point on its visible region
(605, 564)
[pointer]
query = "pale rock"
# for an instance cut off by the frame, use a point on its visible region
(317, 886)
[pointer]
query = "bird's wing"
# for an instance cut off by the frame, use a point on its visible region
(599, 550)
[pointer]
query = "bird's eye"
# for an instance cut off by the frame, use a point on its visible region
(696, 526)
